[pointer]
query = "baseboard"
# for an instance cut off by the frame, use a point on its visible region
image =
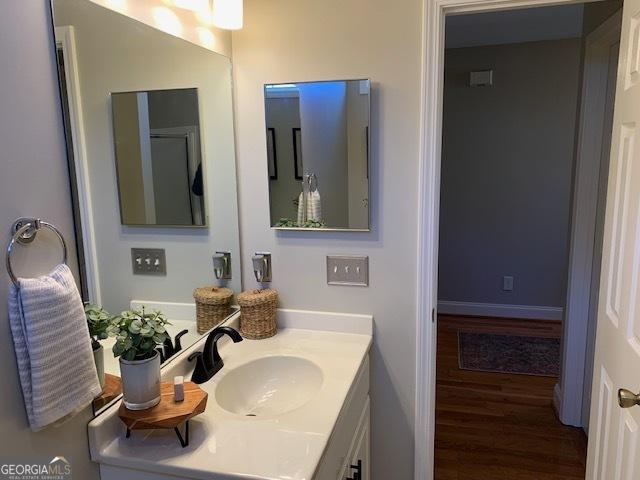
(531, 312)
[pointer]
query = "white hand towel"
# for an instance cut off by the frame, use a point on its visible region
(314, 206)
(301, 207)
(53, 349)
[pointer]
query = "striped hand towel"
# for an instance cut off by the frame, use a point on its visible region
(52, 346)
(314, 206)
(301, 208)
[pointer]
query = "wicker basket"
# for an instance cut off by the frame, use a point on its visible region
(213, 305)
(258, 313)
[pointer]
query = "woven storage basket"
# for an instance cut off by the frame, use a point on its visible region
(258, 313)
(213, 305)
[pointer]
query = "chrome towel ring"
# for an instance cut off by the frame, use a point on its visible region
(24, 232)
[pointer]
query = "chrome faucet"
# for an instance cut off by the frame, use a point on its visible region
(209, 362)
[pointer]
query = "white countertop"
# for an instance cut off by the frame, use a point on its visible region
(224, 445)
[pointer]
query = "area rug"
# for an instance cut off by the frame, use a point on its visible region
(490, 352)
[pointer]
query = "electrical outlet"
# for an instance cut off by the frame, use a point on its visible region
(348, 270)
(148, 261)
(507, 283)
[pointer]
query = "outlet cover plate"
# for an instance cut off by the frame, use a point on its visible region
(348, 270)
(148, 261)
(507, 283)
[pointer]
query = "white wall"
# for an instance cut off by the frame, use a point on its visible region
(508, 153)
(117, 54)
(192, 26)
(33, 181)
(310, 40)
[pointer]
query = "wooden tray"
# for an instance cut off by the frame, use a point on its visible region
(168, 413)
(112, 388)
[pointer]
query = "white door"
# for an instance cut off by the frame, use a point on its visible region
(614, 450)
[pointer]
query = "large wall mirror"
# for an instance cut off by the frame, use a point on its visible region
(150, 140)
(317, 141)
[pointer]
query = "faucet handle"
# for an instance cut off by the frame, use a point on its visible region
(199, 374)
(177, 343)
(197, 356)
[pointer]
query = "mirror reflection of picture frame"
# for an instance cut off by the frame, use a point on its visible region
(297, 152)
(272, 156)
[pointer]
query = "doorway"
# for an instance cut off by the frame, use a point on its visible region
(496, 318)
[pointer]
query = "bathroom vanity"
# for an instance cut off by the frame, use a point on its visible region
(294, 406)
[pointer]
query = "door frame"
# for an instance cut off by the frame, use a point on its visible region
(578, 336)
(65, 36)
(432, 87)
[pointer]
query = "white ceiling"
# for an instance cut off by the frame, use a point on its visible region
(514, 26)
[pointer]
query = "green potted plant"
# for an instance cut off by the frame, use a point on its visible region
(98, 320)
(137, 335)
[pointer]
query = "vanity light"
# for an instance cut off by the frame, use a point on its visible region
(206, 37)
(193, 5)
(167, 21)
(227, 14)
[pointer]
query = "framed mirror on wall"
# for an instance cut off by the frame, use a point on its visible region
(318, 143)
(158, 157)
(150, 142)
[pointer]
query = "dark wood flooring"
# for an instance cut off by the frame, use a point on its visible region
(496, 426)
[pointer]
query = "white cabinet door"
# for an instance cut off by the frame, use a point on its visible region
(357, 467)
(614, 448)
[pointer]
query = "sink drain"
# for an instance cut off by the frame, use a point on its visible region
(250, 415)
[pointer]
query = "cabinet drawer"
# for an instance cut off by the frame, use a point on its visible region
(358, 457)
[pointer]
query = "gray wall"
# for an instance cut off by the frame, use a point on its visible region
(284, 40)
(34, 181)
(283, 114)
(508, 153)
(501, 27)
(357, 128)
(323, 119)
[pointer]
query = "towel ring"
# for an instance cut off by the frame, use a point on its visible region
(25, 231)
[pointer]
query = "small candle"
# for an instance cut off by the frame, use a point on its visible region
(178, 388)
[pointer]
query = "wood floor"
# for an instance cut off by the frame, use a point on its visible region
(499, 426)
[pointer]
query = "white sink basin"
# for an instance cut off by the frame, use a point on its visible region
(269, 386)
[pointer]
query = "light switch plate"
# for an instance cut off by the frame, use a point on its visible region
(148, 261)
(348, 270)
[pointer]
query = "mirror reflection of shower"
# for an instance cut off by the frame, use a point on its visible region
(158, 157)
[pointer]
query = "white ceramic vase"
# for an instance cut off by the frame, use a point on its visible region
(140, 382)
(98, 358)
